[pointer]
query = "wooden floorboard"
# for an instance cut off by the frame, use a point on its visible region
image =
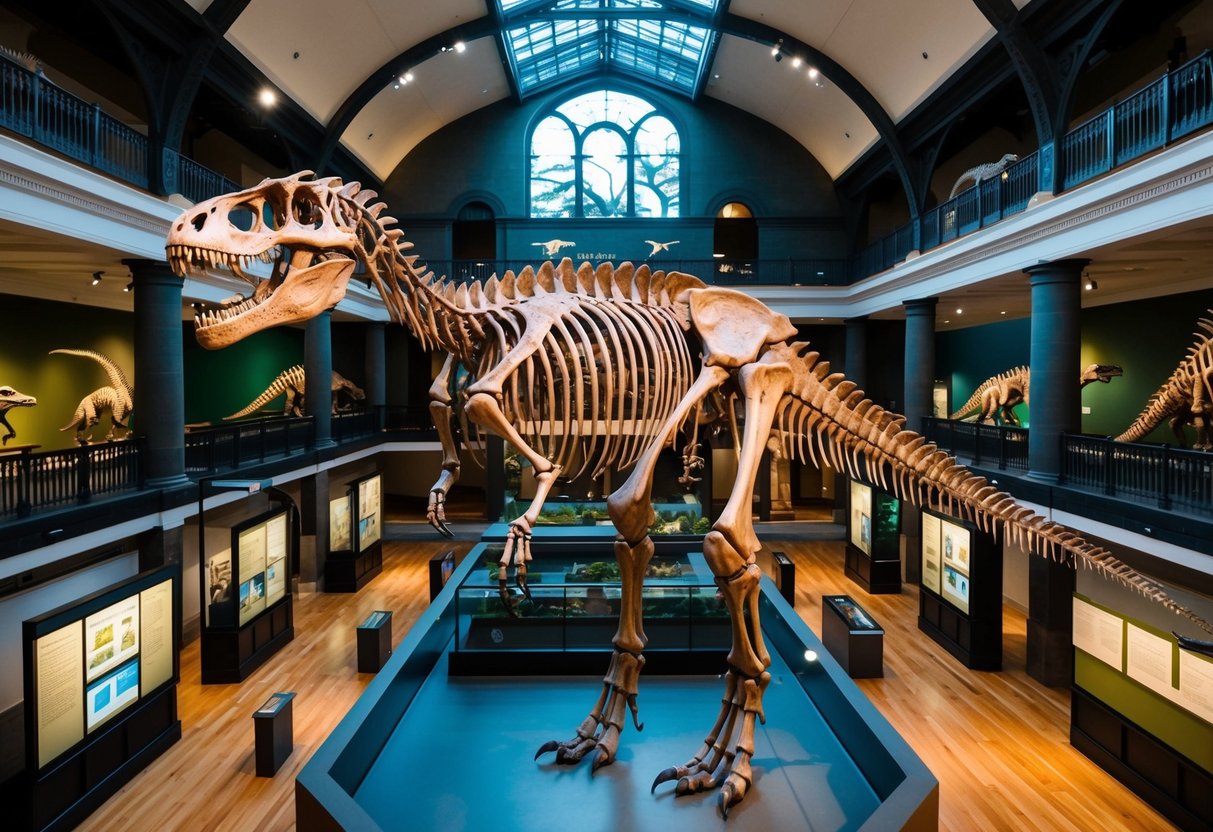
(996, 741)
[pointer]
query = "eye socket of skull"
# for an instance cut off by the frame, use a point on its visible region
(243, 216)
(305, 210)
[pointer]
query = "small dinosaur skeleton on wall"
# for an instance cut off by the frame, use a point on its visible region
(525, 336)
(117, 398)
(10, 398)
(996, 398)
(291, 382)
(980, 173)
(1184, 398)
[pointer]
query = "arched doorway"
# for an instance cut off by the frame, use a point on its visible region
(474, 233)
(735, 241)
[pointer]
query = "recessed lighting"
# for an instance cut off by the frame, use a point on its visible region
(718, 255)
(947, 321)
(1003, 312)
(810, 655)
(959, 311)
(267, 97)
(812, 72)
(460, 46)
(796, 61)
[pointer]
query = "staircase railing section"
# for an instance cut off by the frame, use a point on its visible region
(33, 106)
(55, 479)
(1174, 479)
(985, 445)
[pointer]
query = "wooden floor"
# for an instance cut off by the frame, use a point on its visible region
(996, 741)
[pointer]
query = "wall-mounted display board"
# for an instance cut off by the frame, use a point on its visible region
(349, 569)
(248, 607)
(873, 552)
(1143, 710)
(960, 603)
(100, 694)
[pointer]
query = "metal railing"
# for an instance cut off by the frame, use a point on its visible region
(35, 107)
(720, 272)
(53, 479)
(1173, 479)
(1173, 106)
(224, 447)
(993, 445)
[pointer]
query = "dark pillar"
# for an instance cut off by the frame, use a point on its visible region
(1050, 622)
(376, 365)
(318, 377)
(314, 540)
(159, 375)
(919, 360)
(1054, 359)
(856, 365)
(762, 487)
(494, 478)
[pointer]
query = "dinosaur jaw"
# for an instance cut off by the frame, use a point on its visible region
(25, 401)
(301, 294)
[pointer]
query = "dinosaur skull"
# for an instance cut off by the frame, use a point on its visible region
(296, 225)
(1103, 373)
(10, 398)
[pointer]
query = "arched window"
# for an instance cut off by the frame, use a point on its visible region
(605, 154)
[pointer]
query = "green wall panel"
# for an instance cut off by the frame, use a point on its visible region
(35, 327)
(220, 382)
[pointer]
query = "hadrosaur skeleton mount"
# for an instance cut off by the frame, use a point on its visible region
(558, 354)
(996, 398)
(291, 382)
(1184, 398)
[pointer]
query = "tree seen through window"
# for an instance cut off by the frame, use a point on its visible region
(605, 154)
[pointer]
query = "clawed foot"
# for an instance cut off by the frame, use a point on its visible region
(517, 555)
(691, 462)
(602, 728)
(435, 512)
(722, 761)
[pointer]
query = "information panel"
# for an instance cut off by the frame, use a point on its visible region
(251, 557)
(156, 636)
(1100, 633)
(339, 524)
(370, 517)
(946, 550)
(112, 694)
(931, 567)
(58, 669)
(111, 636)
(861, 517)
(275, 558)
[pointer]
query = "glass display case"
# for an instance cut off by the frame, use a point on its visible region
(873, 553)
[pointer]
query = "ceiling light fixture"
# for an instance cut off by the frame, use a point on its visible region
(775, 50)
(796, 61)
(97, 277)
(718, 255)
(460, 46)
(129, 286)
(812, 73)
(1090, 285)
(959, 311)
(267, 97)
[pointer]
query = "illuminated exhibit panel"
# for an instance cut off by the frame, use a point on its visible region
(873, 553)
(102, 667)
(370, 513)
(355, 554)
(340, 539)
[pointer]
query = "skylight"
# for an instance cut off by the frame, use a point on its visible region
(551, 42)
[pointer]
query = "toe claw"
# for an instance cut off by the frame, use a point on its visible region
(665, 777)
(602, 758)
(550, 745)
(444, 530)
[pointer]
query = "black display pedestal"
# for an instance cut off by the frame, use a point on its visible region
(878, 577)
(785, 576)
(274, 733)
(852, 636)
(350, 572)
(374, 636)
(230, 655)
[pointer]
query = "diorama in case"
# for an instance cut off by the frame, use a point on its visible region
(873, 551)
(100, 694)
(960, 603)
(247, 605)
(355, 528)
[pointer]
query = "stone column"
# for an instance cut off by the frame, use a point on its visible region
(919, 360)
(159, 372)
(1054, 359)
(494, 478)
(376, 366)
(856, 365)
(1050, 643)
(318, 377)
(314, 537)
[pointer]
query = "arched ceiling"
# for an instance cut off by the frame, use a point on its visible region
(338, 60)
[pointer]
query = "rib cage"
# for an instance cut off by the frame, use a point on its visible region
(1176, 392)
(827, 418)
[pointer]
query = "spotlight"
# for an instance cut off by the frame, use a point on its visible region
(775, 50)
(810, 656)
(812, 73)
(97, 277)
(718, 255)
(1090, 285)
(778, 57)
(267, 97)
(796, 62)
(959, 311)
(406, 77)
(129, 286)
(460, 46)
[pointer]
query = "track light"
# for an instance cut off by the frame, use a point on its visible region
(267, 97)
(775, 50)
(812, 73)
(460, 46)
(1090, 285)
(97, 277)
(129, 286)
(796, 62)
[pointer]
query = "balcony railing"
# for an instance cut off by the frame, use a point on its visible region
(1175, 105)
(721, 272)
(987, 445)
(56, 479)
(1173, 479)
(34, 107)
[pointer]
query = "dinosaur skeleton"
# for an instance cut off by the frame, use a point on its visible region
(1184, 398)
(117, 397)
(10, 398)
(980, 173)
(995, 398)
(547, 350)
(291, 382)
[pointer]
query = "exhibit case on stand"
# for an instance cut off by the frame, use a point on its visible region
(355, 536)
(873, 551)
(246, 599)
(960, 601)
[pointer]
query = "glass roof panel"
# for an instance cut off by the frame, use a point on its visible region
(545, 50)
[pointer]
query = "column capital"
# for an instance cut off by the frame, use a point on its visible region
(1057, 271)
(152, 271)
(920, 306)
